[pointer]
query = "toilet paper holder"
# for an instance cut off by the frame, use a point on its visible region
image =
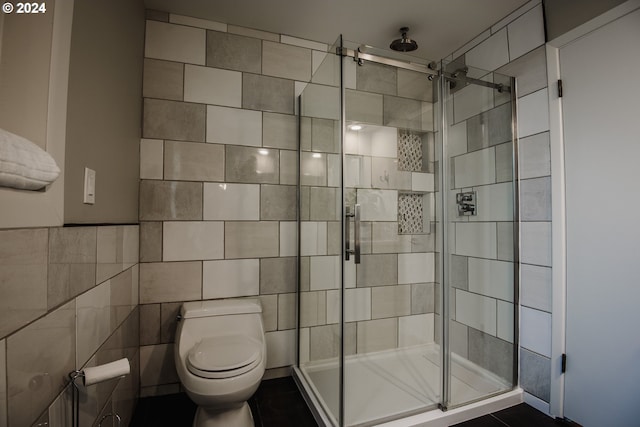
(94, 375)
(116, 416)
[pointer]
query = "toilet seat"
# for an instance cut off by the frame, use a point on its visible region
(224, 356)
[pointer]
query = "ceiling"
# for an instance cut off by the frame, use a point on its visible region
(439, 26)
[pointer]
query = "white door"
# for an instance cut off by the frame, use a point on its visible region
(601, 118)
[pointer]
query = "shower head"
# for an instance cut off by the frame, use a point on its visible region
(404, 44)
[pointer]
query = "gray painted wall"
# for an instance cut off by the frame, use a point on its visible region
(104, 110)
(564, 15)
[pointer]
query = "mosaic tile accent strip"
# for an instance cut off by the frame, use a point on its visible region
(409, 152)
(410, 214)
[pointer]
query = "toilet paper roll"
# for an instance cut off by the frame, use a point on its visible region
(100, 373)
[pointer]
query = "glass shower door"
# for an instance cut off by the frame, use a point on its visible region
(480, 220)
(320, 236)
(391, 362)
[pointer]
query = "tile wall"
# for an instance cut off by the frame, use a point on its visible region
(218, 180)
(393, 288)
(68, 300)
(515, 47)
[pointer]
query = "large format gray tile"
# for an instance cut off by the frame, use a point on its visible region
(267, 94)
(402, 112)
(252, 165)
(363, 107)
(170, 281)
(278, 275)
(163, 79)
(377, 335)
(188, 161)
(149, 324)
(535, 374)
(459, 268)
(414, 85)
(390, 301)
(117, 250)
(423, 298)
(324, 342)
(72, 262)
(535, 199)
(23, 277)
(180, 121)
(170, 200)
(157, 365)
(526, 32)
(39, 359)
(278, 202)
(124, 296)
(286, 61)
(322, 204)
(491, 353)
(385, 174)
(279, 131)
(287, 304)
(234, 52)
(313, 169)
(269, 311)
(386, 239)
(377, 78)
(168, 321)
(530, 70)
(313, 309)
(377, 270)
(250, 239)
(459, 335)
(250, 32)
(174, 43)
(325, 135)
(535, 156)
(93, 324)
(504, 162)
(489, 128)
(150, 241)
(536, 287)
(505, 241)
(288, 167)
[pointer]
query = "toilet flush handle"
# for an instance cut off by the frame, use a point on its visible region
(178, 317)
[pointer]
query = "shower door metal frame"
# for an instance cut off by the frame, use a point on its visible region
(445, 349)
(443, 79)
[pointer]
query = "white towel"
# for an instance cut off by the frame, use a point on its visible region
(23, 164)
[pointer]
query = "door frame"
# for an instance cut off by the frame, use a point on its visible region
(558, 213)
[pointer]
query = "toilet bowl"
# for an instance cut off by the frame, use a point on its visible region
(220, 355)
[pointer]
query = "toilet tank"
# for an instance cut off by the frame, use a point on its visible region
(202, 319)
(196, 309)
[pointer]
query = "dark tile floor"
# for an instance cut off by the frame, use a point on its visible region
(278, 403)
(521, 415)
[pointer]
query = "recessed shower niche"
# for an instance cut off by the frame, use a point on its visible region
(416, 156)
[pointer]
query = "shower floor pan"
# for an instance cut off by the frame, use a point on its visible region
(384, 385)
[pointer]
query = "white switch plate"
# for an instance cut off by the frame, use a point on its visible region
(89, 186)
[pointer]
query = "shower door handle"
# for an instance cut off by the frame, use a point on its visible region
(356, 234)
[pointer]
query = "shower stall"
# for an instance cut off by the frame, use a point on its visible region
(408, 252)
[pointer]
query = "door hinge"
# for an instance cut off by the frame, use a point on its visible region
(563, 365)
(559, 88)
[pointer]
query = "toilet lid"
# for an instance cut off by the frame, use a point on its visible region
(224, 356)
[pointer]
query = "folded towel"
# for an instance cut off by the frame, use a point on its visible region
(23, 164)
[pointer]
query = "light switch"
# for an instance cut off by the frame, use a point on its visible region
(89, 186)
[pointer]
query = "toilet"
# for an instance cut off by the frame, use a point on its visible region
(220, 354)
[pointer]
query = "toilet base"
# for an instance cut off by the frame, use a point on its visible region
(233, 417)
